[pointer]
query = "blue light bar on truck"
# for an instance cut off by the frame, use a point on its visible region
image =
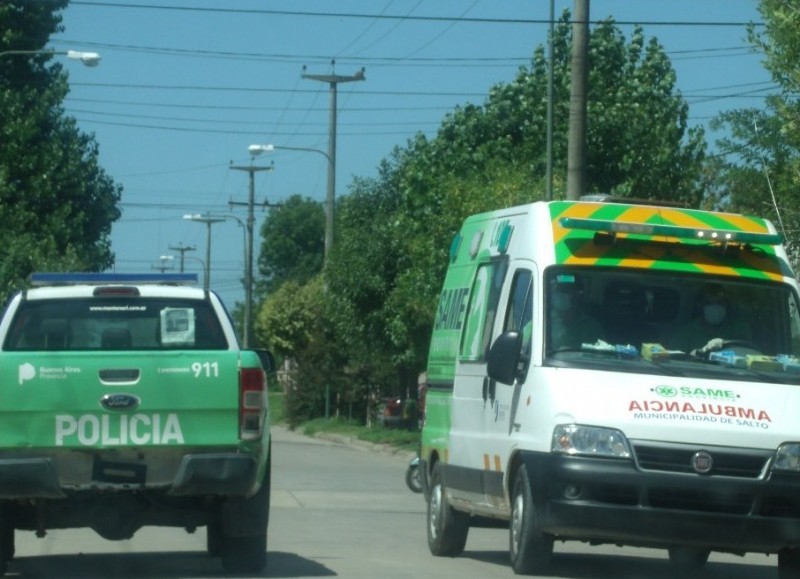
(69, 278)
(674, 231)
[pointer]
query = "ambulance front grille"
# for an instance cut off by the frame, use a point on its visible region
(740, 463)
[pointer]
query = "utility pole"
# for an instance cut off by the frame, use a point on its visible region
(182, 249)
(576, 154)
(330, 198)
(551, 59)
(248, 275)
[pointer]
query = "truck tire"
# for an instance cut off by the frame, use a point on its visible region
(447, 527)
(248, 553)
(214, 538)
(788, 563)
(531, 549)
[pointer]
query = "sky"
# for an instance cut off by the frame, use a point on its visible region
(185, 86)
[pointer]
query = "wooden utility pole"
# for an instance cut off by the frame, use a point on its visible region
(576, 154)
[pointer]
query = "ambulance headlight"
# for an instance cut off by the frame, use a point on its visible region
(788, 457)
(576, 439)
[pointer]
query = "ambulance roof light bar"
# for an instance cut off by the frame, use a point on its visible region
(89, 278)
(673, 231)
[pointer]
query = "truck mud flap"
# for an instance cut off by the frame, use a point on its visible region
(223, 474)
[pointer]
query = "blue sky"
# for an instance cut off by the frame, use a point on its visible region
(185, 86)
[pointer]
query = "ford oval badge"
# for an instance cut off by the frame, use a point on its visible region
(119, 401)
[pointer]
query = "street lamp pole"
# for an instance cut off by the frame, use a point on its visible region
(248, 274)
(209, 221)
(258, 149)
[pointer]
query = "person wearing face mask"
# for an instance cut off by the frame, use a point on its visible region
(715, 321)
(570, 324)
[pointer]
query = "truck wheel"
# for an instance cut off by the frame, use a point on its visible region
(788, 564)
(531, 549)
(447, 527)
(248, 554)
(688, 558)
(214, 538)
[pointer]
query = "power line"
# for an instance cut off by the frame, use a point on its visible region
(405, 18)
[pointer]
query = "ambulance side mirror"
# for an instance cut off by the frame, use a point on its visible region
(503, 359)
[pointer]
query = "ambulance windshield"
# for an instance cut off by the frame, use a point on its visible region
(656, 317)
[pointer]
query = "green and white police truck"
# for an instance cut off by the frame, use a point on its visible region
(125, 401)
(613, 372)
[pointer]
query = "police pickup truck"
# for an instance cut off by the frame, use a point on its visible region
(126, 401)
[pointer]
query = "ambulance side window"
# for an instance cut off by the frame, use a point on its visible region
(519, 317)
(482, 310)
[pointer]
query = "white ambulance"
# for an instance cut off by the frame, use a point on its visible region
(614, 372)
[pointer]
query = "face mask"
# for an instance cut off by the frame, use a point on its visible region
(562, 301)
(714, 313)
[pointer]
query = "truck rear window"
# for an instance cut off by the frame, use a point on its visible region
(115, 324)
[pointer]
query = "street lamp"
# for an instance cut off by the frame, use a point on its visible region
(182, 259)
(87, 58)
(247, 238)
(330, 196)
(209, 221)
(163, 259)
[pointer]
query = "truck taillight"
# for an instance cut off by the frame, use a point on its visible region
(252, 389)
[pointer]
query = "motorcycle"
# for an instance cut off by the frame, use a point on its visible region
(414, 476)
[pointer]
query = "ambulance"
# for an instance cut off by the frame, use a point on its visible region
(615, 372)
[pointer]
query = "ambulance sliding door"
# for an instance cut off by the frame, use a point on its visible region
(468, 450)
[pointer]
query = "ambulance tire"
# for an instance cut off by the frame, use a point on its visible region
(447, 527)
(688, 558)
(531, 549)
(788, 563)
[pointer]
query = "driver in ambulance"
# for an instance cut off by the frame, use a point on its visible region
(714, 323)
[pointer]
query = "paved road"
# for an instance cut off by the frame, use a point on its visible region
(340, 511)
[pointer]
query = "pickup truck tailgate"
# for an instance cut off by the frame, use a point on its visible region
(119, 399)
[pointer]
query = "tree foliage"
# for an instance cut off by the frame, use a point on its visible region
(758, 170)
(393, 231)
(293, 243)
(56, 203)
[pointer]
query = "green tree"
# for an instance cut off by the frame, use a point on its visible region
(56, 203)
(293, 245)
(393, 232)
(494, 155)
(758, 168)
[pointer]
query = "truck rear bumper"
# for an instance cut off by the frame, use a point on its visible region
(209, 474)
(228, 474)
(29, 478)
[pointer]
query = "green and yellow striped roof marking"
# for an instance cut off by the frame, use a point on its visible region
(577, 247)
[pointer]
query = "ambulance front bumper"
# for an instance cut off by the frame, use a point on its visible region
(613, 501)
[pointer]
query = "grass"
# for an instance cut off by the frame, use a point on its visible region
(403, 439)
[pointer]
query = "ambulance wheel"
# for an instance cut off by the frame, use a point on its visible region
(688, 558)
(788, 564)
(531, 549)
(447, 527)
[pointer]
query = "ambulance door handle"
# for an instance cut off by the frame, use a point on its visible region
(489, 389)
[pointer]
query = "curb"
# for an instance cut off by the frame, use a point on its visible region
(364, 445)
